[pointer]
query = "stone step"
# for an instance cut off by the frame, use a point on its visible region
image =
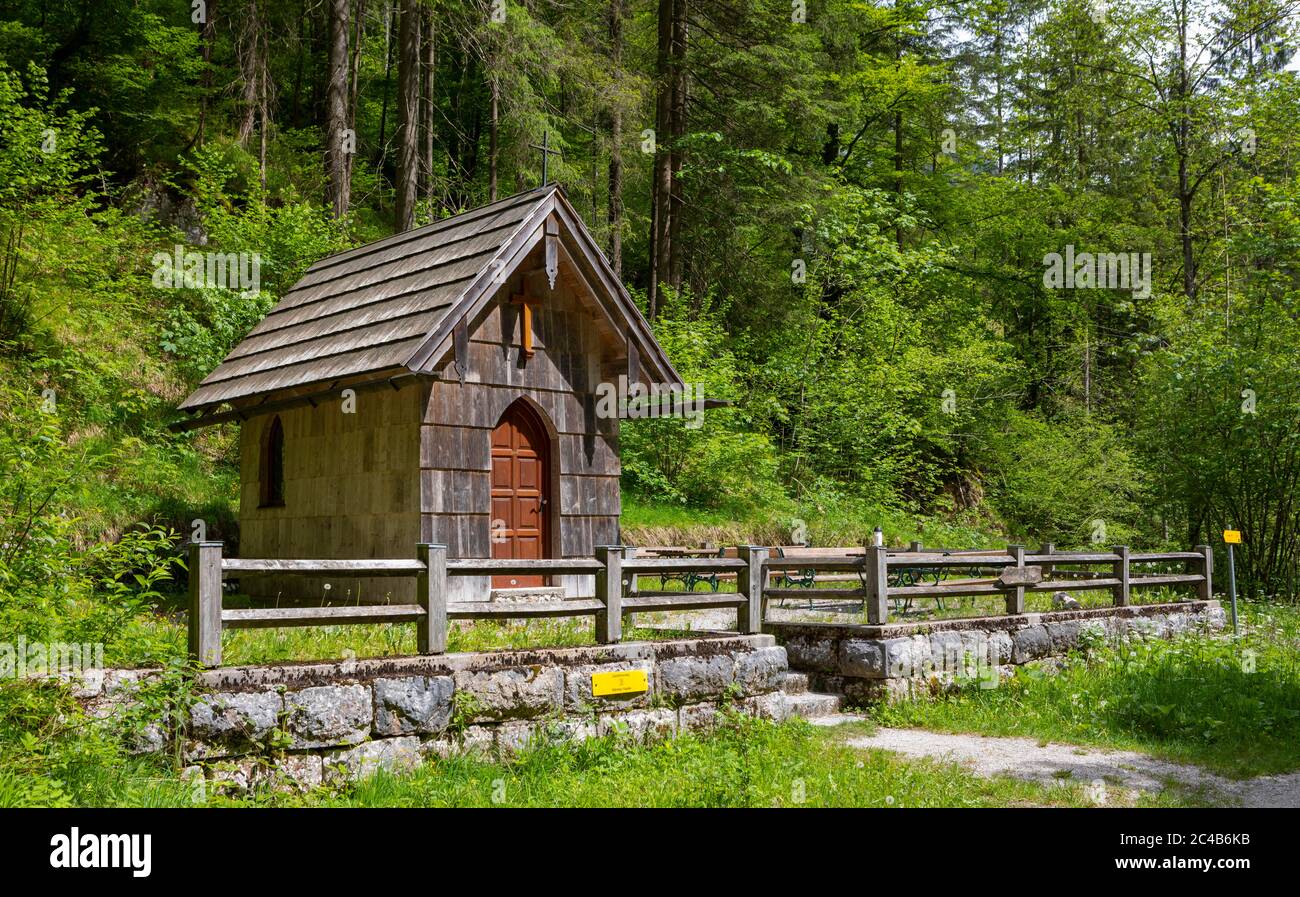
(811, 705)
(837, 719)
(795, 683)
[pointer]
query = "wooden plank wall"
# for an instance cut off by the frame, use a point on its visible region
(352, 490)
(573, 348)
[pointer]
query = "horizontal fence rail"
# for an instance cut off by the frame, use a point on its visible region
(867, 571)
(1020, 571)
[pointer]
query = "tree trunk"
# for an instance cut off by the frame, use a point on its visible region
(354, 77)
(381, 151)
(263, 107)
(898, 135)
(662, 176)
(337, 145)
(209, 33)
(898, 178)
(428, 109)
(247, 52)
(408, 113)
(615, 213)
(679, 105)
(1185, 188)
(493, 129)
(303, 52)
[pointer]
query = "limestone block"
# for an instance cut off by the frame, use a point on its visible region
(862, 658)
(697, 717)
(393, 754)
(640, 726)
(414, 705)
(229, 723)
(762, 670)
(693, 678)
(508, 694)
(328, 716)
(1030, 643)
(812, 655)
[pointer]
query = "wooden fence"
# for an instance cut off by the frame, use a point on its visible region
(612, 567)
(616, 567)
(1020, 573)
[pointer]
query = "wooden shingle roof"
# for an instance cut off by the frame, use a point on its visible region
(369, 309)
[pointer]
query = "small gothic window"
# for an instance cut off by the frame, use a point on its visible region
(272, 465)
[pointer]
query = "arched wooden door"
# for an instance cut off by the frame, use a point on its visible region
(520, 489)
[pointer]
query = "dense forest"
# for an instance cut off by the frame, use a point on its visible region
(972, 269)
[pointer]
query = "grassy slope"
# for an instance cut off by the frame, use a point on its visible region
(646, 521)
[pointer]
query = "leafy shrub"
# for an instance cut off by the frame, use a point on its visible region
(1071, 481)
(50, 587)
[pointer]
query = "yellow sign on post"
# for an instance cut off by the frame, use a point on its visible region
(1232, 536)
(619, 682)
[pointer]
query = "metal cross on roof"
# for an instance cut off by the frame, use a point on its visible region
(547, 152)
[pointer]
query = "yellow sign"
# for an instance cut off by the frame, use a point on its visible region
(619, 682)
(1232, 536)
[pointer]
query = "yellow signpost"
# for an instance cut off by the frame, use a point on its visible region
(619, 682)
(1232, 537)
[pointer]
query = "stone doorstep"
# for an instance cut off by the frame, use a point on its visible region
(1004, 623)
(306, 674)
(529, 595)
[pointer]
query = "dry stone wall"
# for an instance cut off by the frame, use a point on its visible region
(869, 664)
(299, 726)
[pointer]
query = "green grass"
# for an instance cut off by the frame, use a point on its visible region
(840, 520)
(1232, 706)
(749, 763)
(159, 640)
(746, 763)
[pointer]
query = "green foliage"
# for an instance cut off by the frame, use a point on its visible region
(46, 154)
(1072, 482)
(286, 237)
(53, 753)
(1218, 423)
(52, 588)
(715, 459)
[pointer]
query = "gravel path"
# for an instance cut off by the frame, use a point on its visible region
(1024, 758)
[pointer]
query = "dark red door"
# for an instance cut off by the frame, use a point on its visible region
(520, 465)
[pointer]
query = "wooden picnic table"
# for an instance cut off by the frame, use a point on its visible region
(688, 579)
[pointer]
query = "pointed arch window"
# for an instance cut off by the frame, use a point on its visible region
(271, 477)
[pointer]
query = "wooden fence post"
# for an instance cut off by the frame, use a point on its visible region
(875, 580)
(1016, 596)
(1048, 548)
(609, 589)
(750, 582)
(205, 603)
(629, 552)
(431, 594)
(1205, 590)
(1121, 568)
